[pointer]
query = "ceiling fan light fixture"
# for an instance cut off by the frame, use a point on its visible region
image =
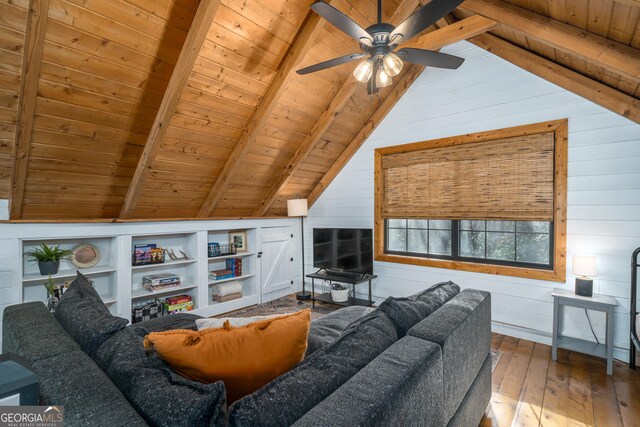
(363, 71)
(392, 64)
(382, 78)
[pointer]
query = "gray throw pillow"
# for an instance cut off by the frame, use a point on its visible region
(287, 398)
(407, 311)
(160, 395)
(84, 316)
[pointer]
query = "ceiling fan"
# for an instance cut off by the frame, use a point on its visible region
(379, 41)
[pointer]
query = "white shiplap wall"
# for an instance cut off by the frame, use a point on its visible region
(603, 199)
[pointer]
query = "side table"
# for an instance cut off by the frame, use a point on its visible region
(604, 303)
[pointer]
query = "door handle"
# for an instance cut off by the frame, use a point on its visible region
(259, 254)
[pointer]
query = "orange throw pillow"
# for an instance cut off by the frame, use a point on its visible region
(244, 358)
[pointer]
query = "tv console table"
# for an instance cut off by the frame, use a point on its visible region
(353, 281)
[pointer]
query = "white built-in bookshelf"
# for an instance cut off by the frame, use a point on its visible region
(119, 282)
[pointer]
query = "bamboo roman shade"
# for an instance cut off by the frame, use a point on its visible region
(509, 179)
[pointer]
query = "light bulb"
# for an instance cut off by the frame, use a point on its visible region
(392, 64)
(382, 78)
(363, 71)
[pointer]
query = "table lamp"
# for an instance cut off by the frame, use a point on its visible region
(584, 266)
(299, 207)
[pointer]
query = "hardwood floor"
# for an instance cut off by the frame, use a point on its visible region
(529, 389)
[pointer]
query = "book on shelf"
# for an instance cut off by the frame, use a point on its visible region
(235, 265)
(177, 299)
(177, 304)
(160, 278)
(221, 274)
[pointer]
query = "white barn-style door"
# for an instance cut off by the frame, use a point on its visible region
(276, 262)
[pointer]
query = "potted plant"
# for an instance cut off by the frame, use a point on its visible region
(339, 293)
(48, 257)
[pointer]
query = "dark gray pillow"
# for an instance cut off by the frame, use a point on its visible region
(287, 398)
(161, 396)
(326, 329)
(408, 311)
(84, 316)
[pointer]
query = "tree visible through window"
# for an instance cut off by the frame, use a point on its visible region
(499, 242)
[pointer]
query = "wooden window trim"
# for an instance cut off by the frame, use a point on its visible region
(558, 274)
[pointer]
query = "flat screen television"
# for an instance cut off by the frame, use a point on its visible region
(343, 250)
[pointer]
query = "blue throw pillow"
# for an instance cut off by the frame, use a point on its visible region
(84, 316)
(408, 311)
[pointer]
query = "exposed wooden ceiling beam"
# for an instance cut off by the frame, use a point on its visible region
(611, 55)
(343, 95)
(398, 89)
(298, 49)
(190, 49)
(585, 87)
(434, 40)
(31, 62)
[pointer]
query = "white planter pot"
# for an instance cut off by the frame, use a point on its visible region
(340, 295)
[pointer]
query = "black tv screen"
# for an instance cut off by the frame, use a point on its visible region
(343, 249)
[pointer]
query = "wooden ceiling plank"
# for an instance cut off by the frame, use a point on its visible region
(179, 77)
(31, 62)
(398, 89)
(434, 40)
(613, 56)
(294, 56)
(609, 98)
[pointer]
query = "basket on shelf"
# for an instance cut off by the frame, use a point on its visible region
(146, 311)
(216, 249)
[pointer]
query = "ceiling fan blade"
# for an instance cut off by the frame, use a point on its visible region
(330, 63)
(424, 17)
(341, 21)
(430, 58)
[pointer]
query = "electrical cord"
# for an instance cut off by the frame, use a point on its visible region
(591, 326)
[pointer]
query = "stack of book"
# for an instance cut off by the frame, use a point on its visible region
(155, 282)
(177, 304)
(235, 265)
(221, 274)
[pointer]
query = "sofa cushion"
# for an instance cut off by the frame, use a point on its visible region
(74, 381)
(326, 329)
(161, 396)
(290, 396)
(31, 331)
(84, 316)
(407, 311)
(462, 327)
(245, 358)
(175, 321)
(400, 387)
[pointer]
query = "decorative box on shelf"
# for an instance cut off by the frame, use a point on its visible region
(147, 254)
(156, 282)
(149, 310)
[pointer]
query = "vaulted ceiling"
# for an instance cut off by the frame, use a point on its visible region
(157, 109)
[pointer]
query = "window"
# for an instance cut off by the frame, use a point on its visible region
(515, 243)
(491, 202)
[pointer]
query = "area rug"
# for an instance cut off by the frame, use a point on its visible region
(282, 306)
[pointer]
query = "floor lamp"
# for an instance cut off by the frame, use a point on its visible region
(299, 207)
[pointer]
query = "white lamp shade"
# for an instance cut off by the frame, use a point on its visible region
(297, 207)
(584, 265)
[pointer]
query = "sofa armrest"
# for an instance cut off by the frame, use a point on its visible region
(462, 328)
(402, 386)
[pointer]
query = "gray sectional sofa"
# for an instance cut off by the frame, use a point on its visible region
(417, 361)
